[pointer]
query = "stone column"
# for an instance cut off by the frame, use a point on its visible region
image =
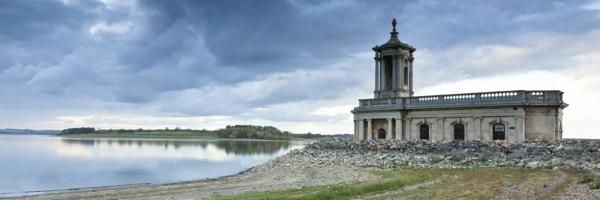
(382, 77)
(410, 74)
(409, 136)
(399, 133)
(440, 127)
(377, 73)
(478, 134)
(356, 131)
(361, 130)
(520, 137)
(388, 135)
(470, 133)
(369, 129)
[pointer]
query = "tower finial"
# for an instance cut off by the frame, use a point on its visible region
(394, 33)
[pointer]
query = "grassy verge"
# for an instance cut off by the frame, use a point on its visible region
(390, 180)
(474, 183)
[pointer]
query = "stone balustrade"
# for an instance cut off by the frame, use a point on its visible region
(480, 99)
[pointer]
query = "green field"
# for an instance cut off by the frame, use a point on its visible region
(403, 183)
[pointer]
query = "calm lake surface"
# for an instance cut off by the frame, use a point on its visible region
(33, 164)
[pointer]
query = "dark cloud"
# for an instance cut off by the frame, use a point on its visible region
(229, 57)
(443, 24)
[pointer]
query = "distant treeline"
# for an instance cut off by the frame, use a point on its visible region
(11, 131)
(236, 131)
(253, 132)
(82, 130)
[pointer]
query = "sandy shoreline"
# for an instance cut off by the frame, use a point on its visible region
(275, 174)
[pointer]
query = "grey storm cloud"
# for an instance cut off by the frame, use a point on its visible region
(178, 56)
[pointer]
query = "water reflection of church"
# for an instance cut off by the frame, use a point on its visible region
(395, 114)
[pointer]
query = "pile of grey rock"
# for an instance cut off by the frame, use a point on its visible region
(568, 153)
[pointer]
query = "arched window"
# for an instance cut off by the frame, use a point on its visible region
(459, 132)
(498, 131)
(381, 133)
(424, 132)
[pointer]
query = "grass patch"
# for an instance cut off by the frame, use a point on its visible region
(596, 185)
(590, 179)
(390, 180)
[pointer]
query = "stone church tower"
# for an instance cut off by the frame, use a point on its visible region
(395, 114)
(393, 67)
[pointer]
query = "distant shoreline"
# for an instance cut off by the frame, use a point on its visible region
(172, 138)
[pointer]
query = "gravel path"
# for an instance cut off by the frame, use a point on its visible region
(580, 192)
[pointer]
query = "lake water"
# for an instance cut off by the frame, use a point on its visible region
(34, 164)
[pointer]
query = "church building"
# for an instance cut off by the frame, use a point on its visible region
(395, 114)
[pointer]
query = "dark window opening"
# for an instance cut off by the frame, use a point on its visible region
(381, 133)
(424, 132)
(498, 132)
(459, 132)
(387, 60)
(405, 75)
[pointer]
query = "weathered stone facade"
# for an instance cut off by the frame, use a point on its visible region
(395, 114)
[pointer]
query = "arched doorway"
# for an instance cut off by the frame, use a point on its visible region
(424, 132)
(381, 133)
(498, 131)
(459, 132)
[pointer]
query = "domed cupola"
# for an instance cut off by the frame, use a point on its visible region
(393, 67)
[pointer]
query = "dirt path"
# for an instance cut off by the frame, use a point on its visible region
(396, 194)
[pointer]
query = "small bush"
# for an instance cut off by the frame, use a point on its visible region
(484, 159)
(596, 185)
(587, 178)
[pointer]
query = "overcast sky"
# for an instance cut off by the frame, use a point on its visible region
(299, 65)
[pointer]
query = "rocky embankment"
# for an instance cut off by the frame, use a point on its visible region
(568, 153)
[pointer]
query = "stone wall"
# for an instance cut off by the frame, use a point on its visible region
(542, 123)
